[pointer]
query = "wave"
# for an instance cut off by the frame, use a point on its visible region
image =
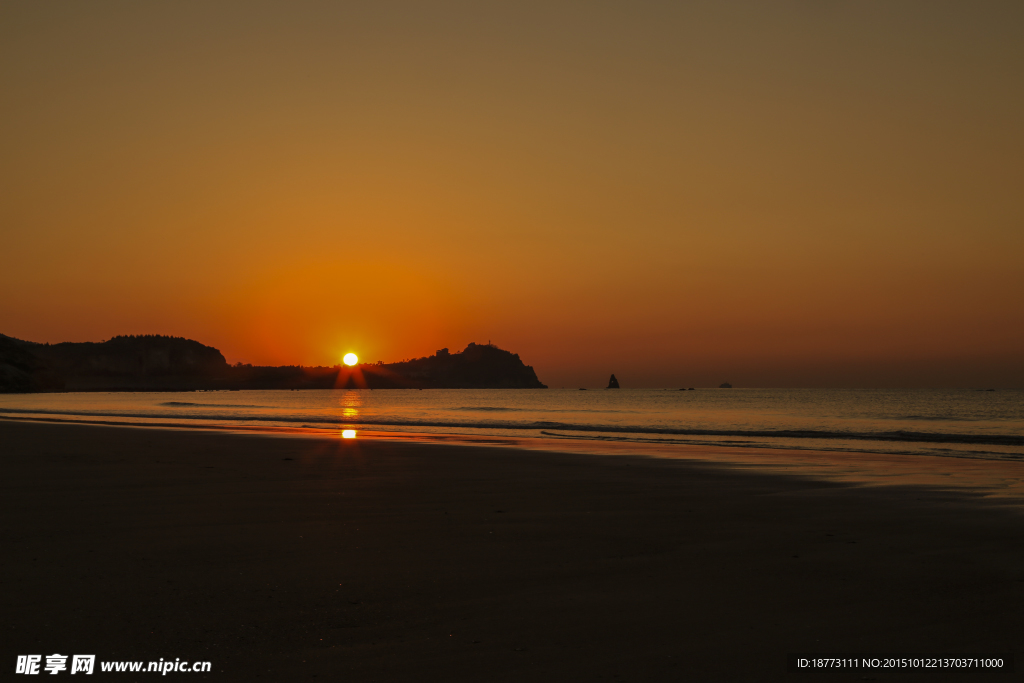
(206, 405)
(838, 447)
(488, 409)
(496, 409)
(903, 436)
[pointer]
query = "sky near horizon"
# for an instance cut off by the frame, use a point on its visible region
(771, 194)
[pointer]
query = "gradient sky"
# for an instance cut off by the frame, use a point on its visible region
(797, 193)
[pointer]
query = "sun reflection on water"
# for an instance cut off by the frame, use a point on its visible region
(351, 401)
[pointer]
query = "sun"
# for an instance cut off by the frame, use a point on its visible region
(350, 359)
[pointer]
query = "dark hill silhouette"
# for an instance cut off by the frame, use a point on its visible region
(161, 363)
(144, 362)
(22, 371)
(134, 356)
(479, 366)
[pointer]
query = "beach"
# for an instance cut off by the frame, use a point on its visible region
(293, 557)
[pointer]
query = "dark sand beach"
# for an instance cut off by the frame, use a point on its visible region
(287, 558)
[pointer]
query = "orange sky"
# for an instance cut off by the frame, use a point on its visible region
(809, 194)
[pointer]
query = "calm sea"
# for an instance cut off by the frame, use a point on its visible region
(964, 423)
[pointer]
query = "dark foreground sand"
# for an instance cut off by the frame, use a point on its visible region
(287, 558)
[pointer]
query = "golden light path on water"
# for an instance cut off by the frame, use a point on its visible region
(350, 404)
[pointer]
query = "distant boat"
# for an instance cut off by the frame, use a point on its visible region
(613, 383)
(582, 389)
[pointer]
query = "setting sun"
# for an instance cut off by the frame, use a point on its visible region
(350, 359)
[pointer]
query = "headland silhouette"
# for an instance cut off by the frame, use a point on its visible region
(164, 363)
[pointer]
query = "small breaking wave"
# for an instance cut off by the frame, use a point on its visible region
(489, 409)
(901, 436)
(205, 405)
(498, 409)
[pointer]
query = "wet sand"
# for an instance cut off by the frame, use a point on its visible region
(284, 558)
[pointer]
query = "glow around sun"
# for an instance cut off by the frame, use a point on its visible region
(350, 359)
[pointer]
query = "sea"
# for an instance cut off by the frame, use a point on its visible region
(954, 423)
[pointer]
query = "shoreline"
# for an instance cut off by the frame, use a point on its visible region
(390, 560)
(994, 477)
(840, 421)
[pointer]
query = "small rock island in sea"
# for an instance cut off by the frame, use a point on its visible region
(162, 363)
